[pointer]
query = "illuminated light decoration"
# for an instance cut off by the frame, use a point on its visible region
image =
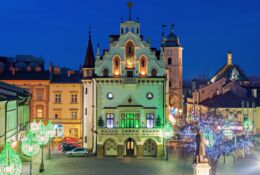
(110, 96)
(116, 73)
(228, 130)
(30, 146)
(248, 125)
(10, 162)
(51, 130)
(149, 95)
(210, 138)
(172, 119)
(167, 131)
(42, 135)
(143, 73)
(34, 126)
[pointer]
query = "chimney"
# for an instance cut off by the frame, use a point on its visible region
(229, 58)
(29, 68)
(38, 69)
(56, 70)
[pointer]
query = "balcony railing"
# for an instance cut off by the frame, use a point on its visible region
(130, 131)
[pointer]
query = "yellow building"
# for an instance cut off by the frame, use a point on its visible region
(65, 106)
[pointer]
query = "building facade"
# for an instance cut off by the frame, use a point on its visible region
(65, 106)
(125, 93)
(14, 114)
(28, 72)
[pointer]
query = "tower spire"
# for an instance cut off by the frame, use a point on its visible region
(89, 61)
(130, 5)
(172, 27)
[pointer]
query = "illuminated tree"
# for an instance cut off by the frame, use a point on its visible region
(10, 162)
(51, 132)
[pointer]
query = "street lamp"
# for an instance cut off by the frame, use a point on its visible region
(30, 147)
(51, 133)
(42, 137)
(10, 162)
(167, 133)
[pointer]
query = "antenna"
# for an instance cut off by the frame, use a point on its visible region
(130, 5)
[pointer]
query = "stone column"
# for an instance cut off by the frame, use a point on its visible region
(159, 151)
(140, 151)
(120, 151)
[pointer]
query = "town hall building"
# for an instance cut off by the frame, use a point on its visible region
(127, 92)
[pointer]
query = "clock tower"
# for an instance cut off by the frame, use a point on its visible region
(173, 62)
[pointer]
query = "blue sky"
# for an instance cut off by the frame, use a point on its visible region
(57, 30)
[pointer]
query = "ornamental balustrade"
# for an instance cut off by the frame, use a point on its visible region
(130, 131)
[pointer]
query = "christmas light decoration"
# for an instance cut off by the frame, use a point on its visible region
(42, 134)
(51, 132)
(34, 126)
(167, 131)
(248, 125)
(30, 146)
(10, 162)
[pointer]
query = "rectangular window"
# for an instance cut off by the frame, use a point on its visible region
(57, 98)
(86, 111)
(86, 90)
(74, 98)
(74, 114)
(39, 112)
(110, 120)
(149, 120)
(39, 95)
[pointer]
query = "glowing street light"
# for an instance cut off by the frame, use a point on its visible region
(42, 137)
(51, 133)
(167, 133)
(10, 162)
(30, 147)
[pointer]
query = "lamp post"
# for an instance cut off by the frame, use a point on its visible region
(51, 134)
(10, 162)
(30, 147)
(42, 137)
(167, 133)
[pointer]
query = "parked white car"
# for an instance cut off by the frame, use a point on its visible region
(77, 152)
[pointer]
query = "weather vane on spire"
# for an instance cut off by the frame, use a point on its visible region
(130, 5)
(172, 27)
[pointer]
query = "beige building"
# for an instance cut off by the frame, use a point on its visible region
(65, 106)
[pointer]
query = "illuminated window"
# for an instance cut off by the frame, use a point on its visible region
(39, 111)
(143, 66)
(150, 120)
(116, 66)
(129, 54)
(57, 98)
(74, 98)
(110, 120)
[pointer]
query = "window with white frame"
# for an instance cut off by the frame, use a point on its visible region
(110, 120)
(149, 120)
(74, 98)
(74, 114)
(57, 98)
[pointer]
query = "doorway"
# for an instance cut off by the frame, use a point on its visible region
(130, 147)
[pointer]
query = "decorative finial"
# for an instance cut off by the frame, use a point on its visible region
(89, 32)
(229, 61)
(163, 27)
(130, 5)
(172, 27)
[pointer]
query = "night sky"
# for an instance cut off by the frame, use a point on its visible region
(57, 30)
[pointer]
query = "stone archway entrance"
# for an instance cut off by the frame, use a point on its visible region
(110, 148)
(150, 148)
(130, 147)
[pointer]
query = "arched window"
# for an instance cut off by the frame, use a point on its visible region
(129, 54)
(116, 66)
(137, 30)
(126, 30)
(105, 72)
(170, 84)
(143, 66)
(122, 30)
(133, 30)
(154, 72)
(169, 61)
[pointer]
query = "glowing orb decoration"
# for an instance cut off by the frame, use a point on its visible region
(42, 135)
(34, 126)
(10, 162)
(50, 129)
(210, 138)
(167, 131)
(248, 125)
(30, 146)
